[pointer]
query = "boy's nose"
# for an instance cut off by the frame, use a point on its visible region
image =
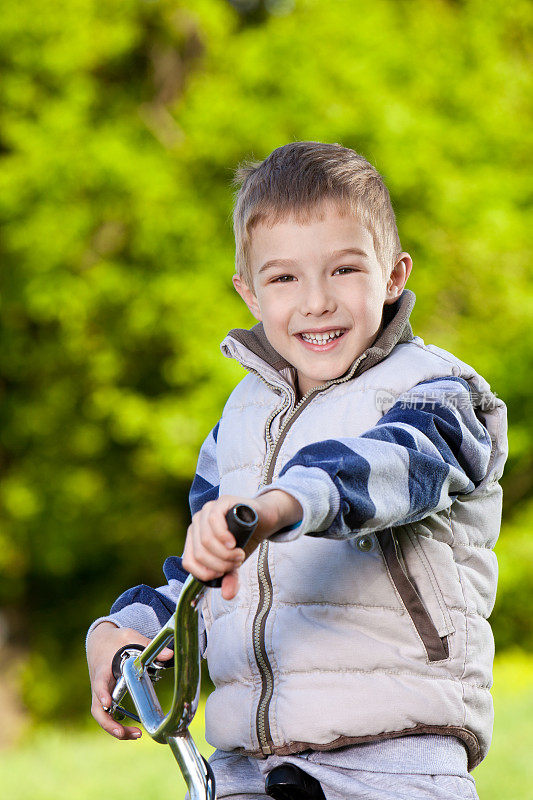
(316, 300)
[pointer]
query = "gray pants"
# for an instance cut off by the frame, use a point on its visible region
(411, 768)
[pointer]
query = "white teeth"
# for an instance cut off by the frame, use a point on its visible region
(322, 338)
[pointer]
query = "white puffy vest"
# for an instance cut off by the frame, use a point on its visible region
(324, 652)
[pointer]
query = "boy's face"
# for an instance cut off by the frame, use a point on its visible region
(319, 290)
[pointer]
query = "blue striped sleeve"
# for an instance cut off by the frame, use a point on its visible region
(427, 449)
(159, 600)
(146, 609)
(205, 485)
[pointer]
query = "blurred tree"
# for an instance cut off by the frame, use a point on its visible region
(122, 122)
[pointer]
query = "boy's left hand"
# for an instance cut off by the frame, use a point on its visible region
(210, 550)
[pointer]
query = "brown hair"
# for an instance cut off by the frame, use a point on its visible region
(299, 177)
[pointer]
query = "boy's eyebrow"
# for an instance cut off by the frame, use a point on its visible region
(289, 262)
(349, 251)
(277, 262)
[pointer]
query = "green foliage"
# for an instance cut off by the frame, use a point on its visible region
(122, 122)
(512, 616)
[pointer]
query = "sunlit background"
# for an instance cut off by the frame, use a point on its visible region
(121, 124)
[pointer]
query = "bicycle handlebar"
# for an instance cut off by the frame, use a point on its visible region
(242, 522)
(172, 728)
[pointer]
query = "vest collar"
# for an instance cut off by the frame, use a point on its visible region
(252, 349)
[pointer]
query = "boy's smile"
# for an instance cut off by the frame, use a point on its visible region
(319, 290)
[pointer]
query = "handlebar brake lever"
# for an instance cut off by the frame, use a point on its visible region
(119, 713)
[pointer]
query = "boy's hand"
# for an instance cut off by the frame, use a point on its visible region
(102, 645)
(210, 550)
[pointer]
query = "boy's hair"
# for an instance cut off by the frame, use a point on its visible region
(297, 178)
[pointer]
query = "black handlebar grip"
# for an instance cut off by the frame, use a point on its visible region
(242, 521)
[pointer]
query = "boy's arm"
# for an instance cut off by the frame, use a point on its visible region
(139, 613)
(426, 450)
(146, 609)
(205, 485)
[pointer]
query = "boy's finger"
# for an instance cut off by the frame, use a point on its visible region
(119, 731)
(230, 585)
(208, 559)
(200, 571)
(111, 726)
(165, 654)
(219, 526)
(208, 532)
(206, 541)
(104, 719)
(102, 685)
(129, 734)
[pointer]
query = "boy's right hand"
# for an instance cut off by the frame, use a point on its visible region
(210, 550)
(102, 645)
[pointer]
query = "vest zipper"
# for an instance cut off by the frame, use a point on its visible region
(263, 573)
(261, 657)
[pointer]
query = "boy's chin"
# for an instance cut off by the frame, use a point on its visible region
(320, 379)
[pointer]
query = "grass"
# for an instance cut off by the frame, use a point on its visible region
(74, 764)
(507, 772)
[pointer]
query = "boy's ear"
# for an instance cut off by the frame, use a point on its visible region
(248, 296)
(398, 277)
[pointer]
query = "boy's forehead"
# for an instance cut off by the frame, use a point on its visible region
(322, 235)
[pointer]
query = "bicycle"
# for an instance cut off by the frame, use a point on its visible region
(136, 669)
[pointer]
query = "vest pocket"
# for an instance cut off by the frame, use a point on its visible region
(435, 640)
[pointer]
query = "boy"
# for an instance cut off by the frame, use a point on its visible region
(354, 640)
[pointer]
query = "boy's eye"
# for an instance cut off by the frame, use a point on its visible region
(345, 270)
(282, 279)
